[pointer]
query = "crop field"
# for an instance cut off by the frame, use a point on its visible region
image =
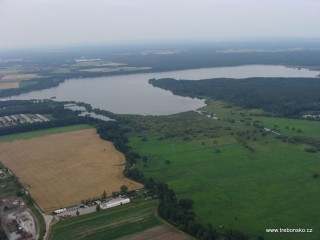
(271, 186)
(8, 85)
(62, 169)
(109, 224)
(20, 76)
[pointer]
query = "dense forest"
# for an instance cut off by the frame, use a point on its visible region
(290, 97)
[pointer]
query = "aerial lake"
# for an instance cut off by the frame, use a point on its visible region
(131, 94)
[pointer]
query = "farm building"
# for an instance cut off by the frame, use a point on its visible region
(60, 210)
(115, 202)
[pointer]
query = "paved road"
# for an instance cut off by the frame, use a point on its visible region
(82, 211)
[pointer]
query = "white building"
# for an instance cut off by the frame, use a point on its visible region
(60, 210)
(114, 203)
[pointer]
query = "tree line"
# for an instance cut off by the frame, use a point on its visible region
(288, 97)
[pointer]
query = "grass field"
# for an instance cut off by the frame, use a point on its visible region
(62, 169)
(271, 187)
(285, 126)
(291, 127)
(45, 132)
(136, 220)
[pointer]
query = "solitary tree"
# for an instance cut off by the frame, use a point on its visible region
(78, 213)
(104, 195)
(123, 189)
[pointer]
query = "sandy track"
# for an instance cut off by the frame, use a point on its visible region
(62, 169)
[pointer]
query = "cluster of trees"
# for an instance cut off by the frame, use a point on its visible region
(61, 116)
(314, 144)
(24, 106)
(282, 96)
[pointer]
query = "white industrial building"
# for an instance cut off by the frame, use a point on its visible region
(60, 210)
(114, 203)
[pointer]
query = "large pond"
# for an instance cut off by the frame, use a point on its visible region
(131, 94)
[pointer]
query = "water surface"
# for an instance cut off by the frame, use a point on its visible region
(131, 94)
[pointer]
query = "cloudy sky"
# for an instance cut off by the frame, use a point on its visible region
(30, 23)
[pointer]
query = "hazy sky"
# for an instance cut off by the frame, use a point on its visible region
(29, 23)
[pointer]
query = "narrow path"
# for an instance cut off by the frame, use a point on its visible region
(48, 220)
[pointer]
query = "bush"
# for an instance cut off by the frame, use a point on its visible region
(311, 150)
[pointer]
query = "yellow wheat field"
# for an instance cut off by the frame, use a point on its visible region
(62, 169)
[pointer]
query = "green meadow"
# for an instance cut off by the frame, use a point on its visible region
(109, 224)
(292, 127)
(239, 176)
